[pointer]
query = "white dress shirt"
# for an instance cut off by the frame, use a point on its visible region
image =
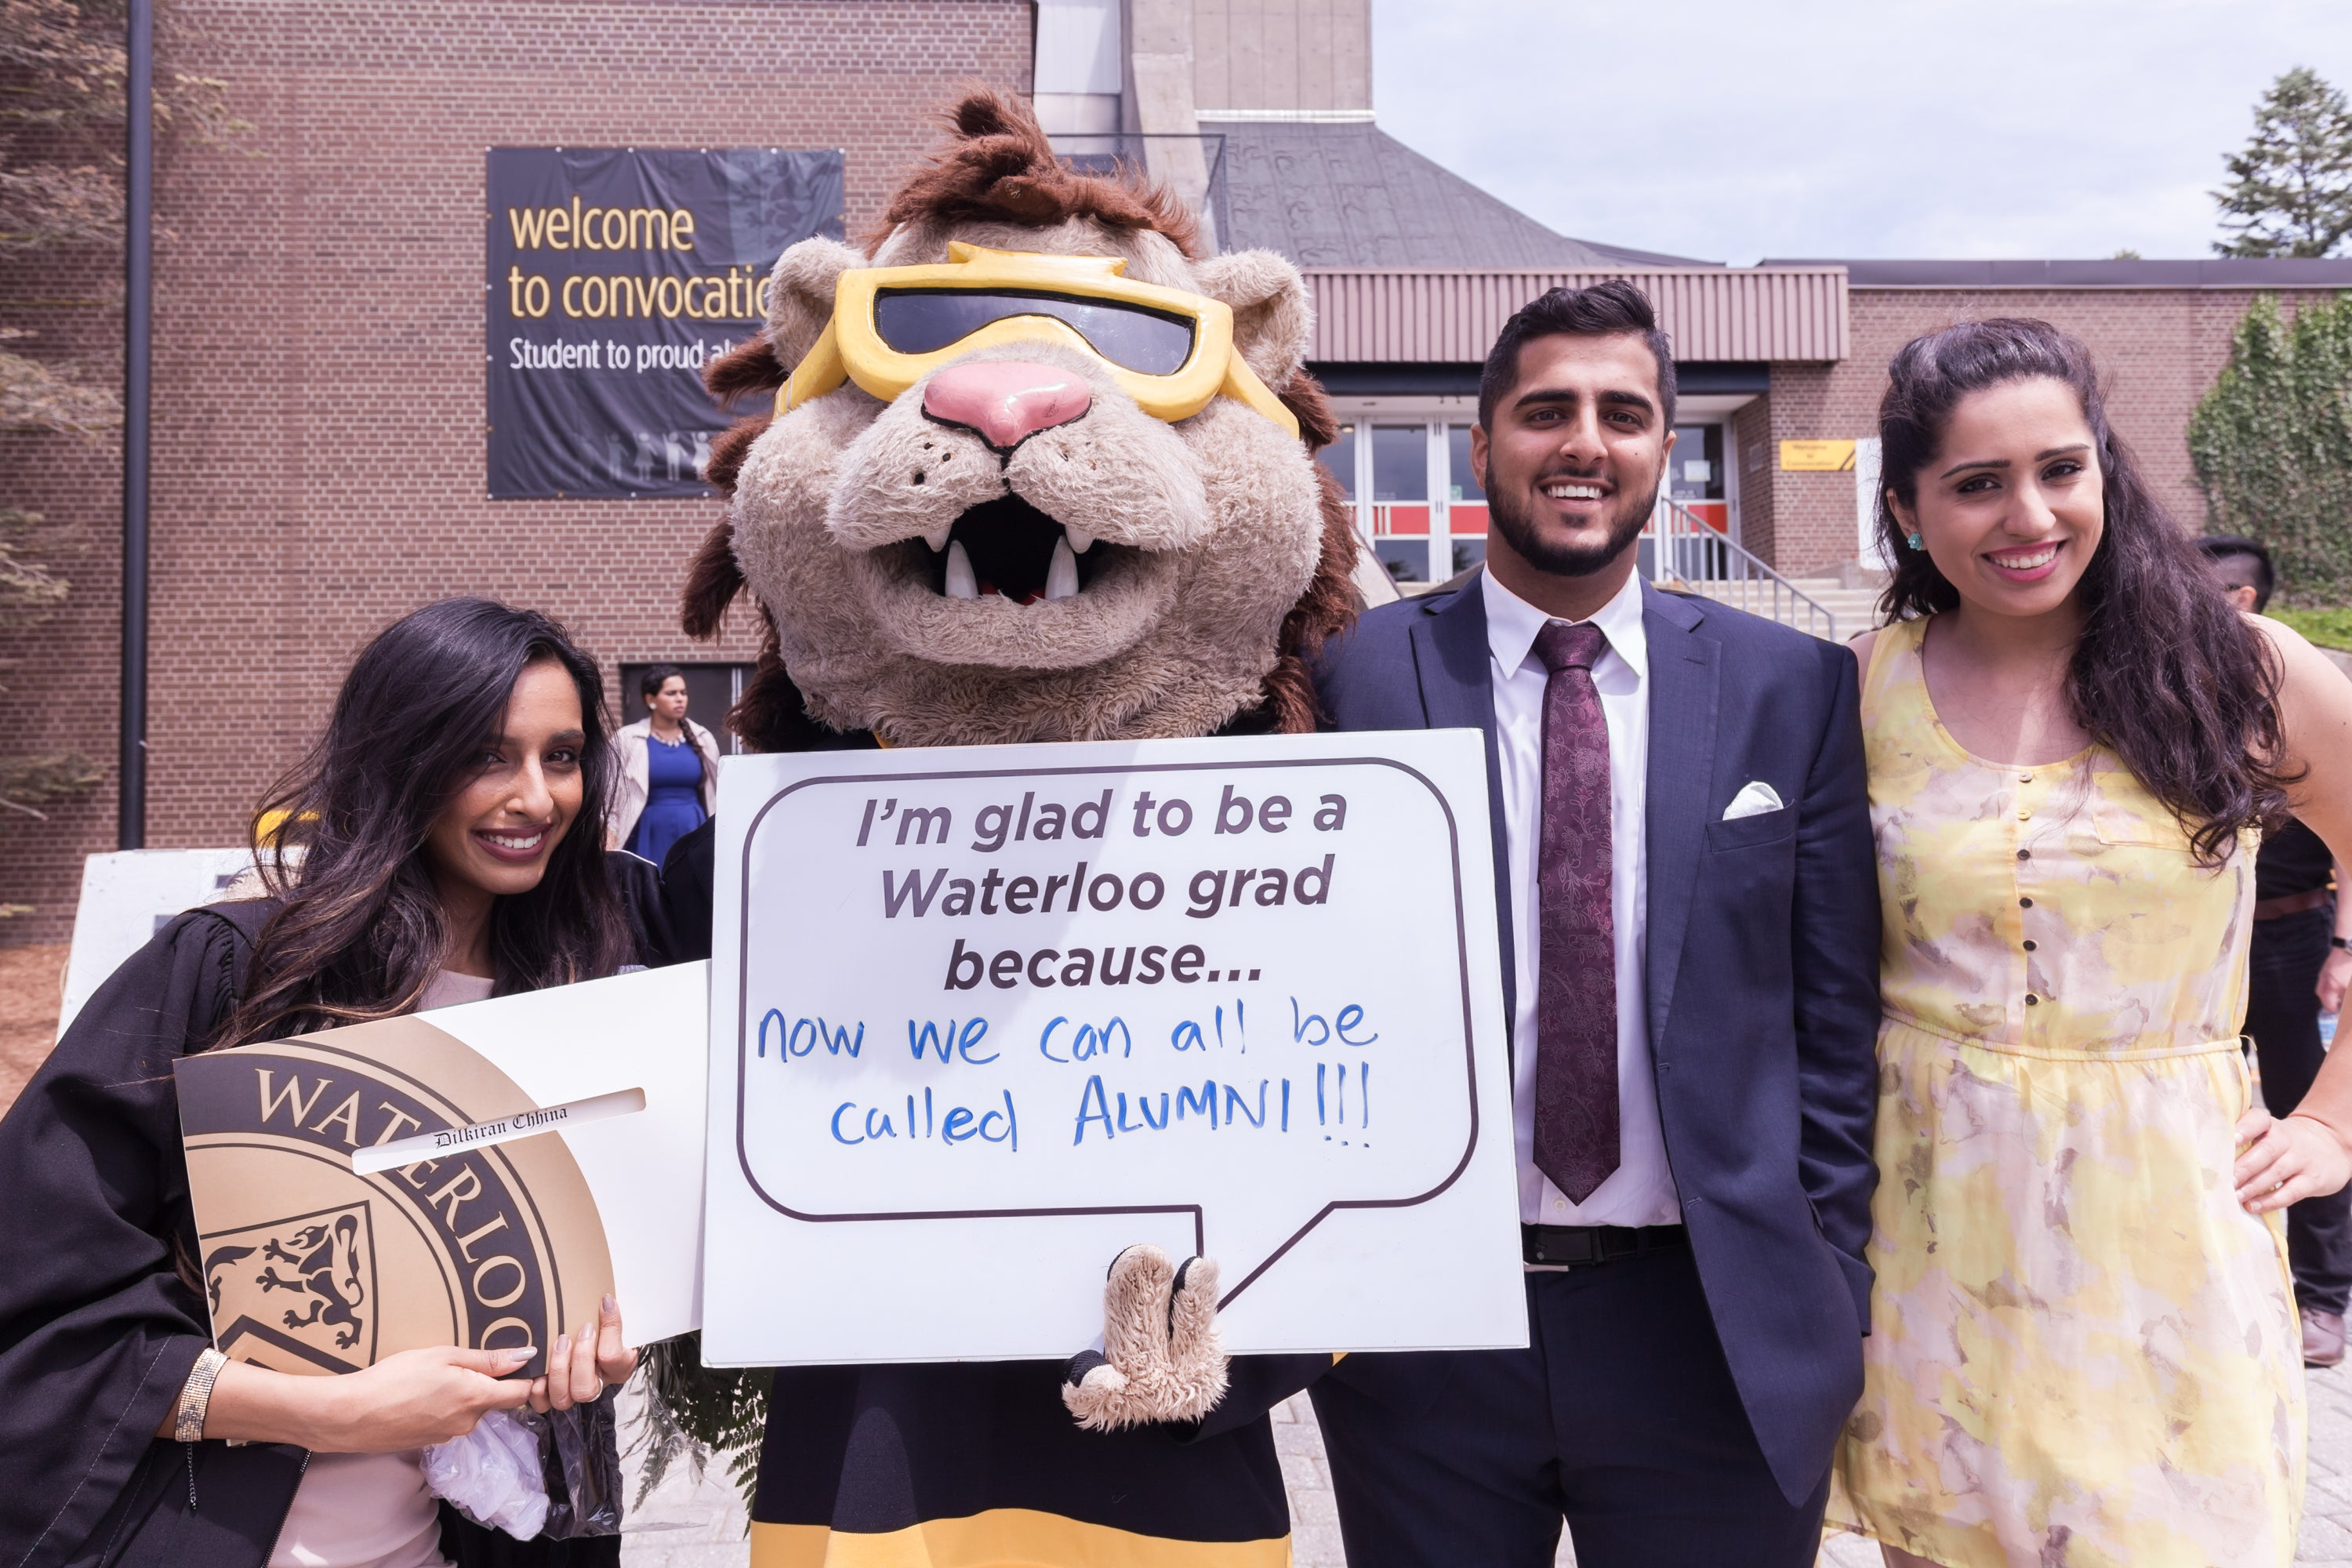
(1640, 1191)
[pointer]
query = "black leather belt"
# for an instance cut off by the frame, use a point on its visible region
(1582, 1246)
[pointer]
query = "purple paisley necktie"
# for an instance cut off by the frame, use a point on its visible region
(1576, 948)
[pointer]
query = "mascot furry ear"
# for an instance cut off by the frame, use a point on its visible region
(1026, 469)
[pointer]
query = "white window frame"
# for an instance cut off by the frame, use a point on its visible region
(1432, 414)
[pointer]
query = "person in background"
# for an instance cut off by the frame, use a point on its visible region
(426, 853)
(668, 775)
(2297, 969)
(2084, 1346)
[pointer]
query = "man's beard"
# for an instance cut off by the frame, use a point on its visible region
(1508, 517)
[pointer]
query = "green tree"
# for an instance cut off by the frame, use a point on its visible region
(2290, 192)
(29, 590)
(698, 1414)
(62, 78)
(2273, 445)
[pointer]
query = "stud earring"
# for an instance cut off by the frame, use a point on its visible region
(1916, 543)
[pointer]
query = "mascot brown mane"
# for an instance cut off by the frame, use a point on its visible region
(1212, 555)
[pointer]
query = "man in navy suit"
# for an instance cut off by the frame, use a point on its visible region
(1689, 908)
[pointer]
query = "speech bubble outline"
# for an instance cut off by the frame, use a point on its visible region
(1199, 1241)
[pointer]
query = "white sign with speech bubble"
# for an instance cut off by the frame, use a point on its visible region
(984, 1016)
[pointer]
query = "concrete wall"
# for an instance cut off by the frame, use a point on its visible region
(2160, 349)
(1282, 54)
(319, 383)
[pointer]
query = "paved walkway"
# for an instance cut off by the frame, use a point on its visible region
(2327, 1505)
(688, 1526)
(688, 1523)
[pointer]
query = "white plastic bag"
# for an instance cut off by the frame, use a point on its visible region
(492, 1474)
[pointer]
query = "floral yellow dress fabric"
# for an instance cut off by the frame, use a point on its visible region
(2083, 1353)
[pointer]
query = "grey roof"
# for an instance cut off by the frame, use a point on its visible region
(2216, 273)
(1350, 194)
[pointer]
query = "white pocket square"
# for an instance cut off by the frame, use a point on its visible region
(1755, 798)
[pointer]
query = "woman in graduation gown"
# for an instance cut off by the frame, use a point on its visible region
(427, 852)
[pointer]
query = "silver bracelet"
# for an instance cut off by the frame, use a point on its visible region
(196, 1395)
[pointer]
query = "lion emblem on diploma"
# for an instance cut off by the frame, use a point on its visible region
(326, 1264)
(301, 1287)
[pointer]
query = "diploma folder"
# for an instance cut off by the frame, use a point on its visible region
(480, 1175)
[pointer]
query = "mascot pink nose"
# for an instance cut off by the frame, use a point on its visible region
(1006, 401)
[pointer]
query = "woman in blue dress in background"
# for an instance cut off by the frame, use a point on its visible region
(668, 783)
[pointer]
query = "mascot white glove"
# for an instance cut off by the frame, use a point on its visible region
(1161, 1358)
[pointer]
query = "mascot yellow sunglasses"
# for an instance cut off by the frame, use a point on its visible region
(1169, 350)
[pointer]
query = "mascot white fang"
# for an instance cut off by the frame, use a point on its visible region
(1032, 471)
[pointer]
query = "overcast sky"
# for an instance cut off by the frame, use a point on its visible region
(1732, 129)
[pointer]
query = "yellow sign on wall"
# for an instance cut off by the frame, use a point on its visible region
(1816, 457)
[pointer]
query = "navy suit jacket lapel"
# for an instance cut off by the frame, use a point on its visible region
(1453, 662)
(1683, 682)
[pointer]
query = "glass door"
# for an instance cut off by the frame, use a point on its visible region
(1466, 503)
(1405, 472)
(1696, 480)
(1696, 475)
(1400, 512)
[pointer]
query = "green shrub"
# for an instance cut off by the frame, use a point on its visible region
(694, 1414)
(2328, 628)
(2273, 446)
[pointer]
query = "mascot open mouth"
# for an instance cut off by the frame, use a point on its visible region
(1008, 548)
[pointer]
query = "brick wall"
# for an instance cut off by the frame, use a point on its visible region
(1753, 450)
(319, 385)
(2160, 349)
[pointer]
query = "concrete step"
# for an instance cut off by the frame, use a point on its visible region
(1855, 609)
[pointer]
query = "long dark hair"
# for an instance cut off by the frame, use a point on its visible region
(2166, 674)
(362, 931)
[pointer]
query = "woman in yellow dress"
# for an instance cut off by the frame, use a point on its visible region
(2084, 1349)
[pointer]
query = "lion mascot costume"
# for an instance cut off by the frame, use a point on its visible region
(1033, 469)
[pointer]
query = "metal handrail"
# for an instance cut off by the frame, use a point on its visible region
(1677, 547)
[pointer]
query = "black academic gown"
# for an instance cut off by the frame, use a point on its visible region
(98, 1326)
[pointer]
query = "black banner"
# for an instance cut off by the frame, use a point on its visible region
(615, 275)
